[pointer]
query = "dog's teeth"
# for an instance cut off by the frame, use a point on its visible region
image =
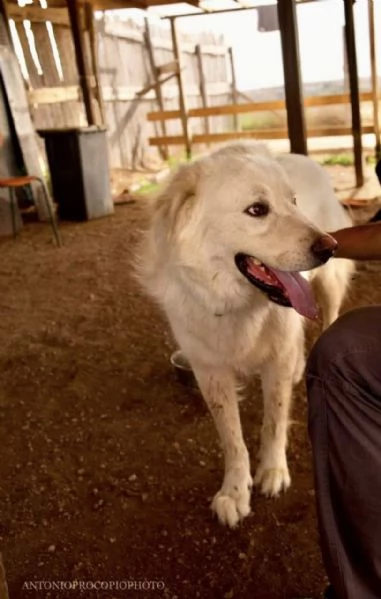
(256, 261)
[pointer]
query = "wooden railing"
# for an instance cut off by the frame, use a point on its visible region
(251, 107)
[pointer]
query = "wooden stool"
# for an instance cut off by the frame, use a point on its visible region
(12, 183)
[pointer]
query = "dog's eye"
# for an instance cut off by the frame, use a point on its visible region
(258, 209)
(294, 200)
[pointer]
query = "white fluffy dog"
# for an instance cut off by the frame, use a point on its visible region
(228, 236)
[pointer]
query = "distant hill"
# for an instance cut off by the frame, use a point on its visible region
(309, 89)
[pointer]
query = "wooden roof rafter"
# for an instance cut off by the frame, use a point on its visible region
(37, 13)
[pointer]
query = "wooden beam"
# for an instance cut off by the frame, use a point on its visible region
(292, 79)
(354, 90)
(224, 109)
(202, 82)
(255, 134)
(91, 28)
(373, 64)
(180, 83)
(80, 49)
(234, 88)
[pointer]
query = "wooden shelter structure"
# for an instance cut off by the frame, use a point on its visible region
(80, 15)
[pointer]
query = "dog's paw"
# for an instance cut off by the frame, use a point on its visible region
(232, 502)
(272, 480)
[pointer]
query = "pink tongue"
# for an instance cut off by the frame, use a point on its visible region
(299, 293)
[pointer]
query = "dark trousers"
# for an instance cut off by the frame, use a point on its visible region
(344, 394)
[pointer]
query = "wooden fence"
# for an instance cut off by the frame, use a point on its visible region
(157, 88)
(252, 107)
(131, 59)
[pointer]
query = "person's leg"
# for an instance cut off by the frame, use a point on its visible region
(344, 395)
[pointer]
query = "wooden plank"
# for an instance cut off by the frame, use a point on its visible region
(36, 14)
(80, 49)
(58, 113)
(59, 94)
(213, 50)
(65, 47)
(168, 140)
(34, 77)
(202, 82)
(224, 109)
(255, 134)
(119, 30)
(4, 11)
(292, 78)
(354, 90)
(52, 95)
(158, 91)
(163, 115)
(154, 85)
(180, 83)
(234, 87)
(118, 4)
(168, 67)
(20, 115)
(3, 581)
(373, 64)
(90, 26)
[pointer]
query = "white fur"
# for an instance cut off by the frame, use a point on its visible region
(225, 326)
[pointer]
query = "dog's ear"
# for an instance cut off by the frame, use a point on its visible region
(173, 204)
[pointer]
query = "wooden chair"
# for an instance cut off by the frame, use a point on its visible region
(12, 183)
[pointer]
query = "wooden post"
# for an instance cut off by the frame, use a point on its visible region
(345, 62)
(373, 64)
(292, 79)
(159, 95)
(180, 84)
(204, 95)
(354, 90)
(80, 57)
(234, 88)
(93, 38)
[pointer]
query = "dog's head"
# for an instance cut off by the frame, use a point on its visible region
(231, 219)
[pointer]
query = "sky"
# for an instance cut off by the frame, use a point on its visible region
(258, 55)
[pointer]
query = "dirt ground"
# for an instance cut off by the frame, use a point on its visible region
(107, 463)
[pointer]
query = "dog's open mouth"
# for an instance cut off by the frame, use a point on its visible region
(288, 289)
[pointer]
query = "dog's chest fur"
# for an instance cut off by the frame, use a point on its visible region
(239, 339)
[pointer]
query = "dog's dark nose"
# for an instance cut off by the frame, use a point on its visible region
(324, 248)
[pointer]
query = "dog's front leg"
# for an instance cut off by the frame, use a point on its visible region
(272, 473)
(232, 502)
